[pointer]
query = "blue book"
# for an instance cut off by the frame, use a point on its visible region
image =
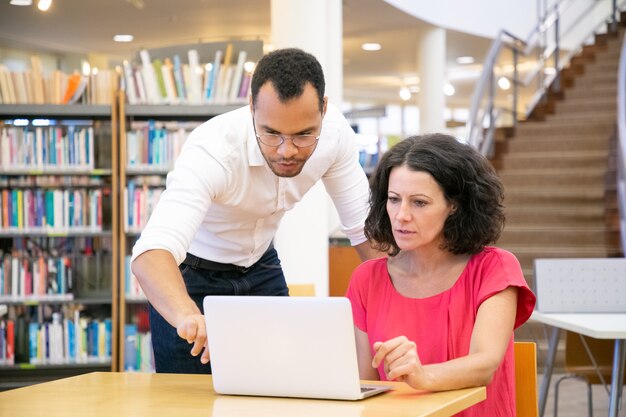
(151, 134)
(179, 79)
(71, 337)
(130, 347)
(71, 144)
(108, 337)
(33, 331)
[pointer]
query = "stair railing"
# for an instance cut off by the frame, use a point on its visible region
(487, 110)
(621, 134)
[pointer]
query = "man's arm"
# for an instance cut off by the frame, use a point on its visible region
(366, 251)
(163, 284)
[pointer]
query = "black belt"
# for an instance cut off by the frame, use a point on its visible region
(201, 263)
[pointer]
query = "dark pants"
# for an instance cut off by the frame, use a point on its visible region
(171, 353)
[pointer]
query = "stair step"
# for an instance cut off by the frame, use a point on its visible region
(555, 214)
(592, 92)
(545, 195)
(549, 137)
(557, 235)
(593, 80)
(580, 105)
(554, 177)
(559, 159)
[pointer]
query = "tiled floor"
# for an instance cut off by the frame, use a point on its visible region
(573, 399)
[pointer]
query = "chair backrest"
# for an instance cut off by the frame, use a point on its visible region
(581, 285)
(301, 290)
(577, 360)
(526, 379)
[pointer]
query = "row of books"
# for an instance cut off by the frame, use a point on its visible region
(50, 181)
(153, 144)
(51, 210)
(47, 147)
(76, 339)
(45, 278)
(138, 353)
(34, 86)
(7, 342)
(172, 81)
(139, 203)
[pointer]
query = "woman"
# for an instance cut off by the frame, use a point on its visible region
(439, 312)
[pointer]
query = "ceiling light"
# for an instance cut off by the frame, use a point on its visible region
(504, 83)
(123, 38)
(405, 94)
(44, 5)
(21, 2)
(448, 89)
(371, 46)
(249, 66)
(462, 60)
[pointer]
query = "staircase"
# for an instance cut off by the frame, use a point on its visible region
(559, 170)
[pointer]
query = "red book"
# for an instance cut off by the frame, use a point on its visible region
(10, 358)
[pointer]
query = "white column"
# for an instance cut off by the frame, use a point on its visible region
(431, 65)
(302, 239)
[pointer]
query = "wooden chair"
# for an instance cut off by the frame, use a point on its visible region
(301, 290)
(526, 402)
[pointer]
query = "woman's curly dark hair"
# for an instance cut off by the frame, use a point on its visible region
(289, 70)
(467, 180)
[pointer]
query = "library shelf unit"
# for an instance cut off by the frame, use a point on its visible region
(58, 241)
(149, 140)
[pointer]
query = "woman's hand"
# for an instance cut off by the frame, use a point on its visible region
(400, 361)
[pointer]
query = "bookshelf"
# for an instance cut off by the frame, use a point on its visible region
(150, 140)
(58, 241)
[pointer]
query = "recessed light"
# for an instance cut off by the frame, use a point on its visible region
(448, 89)
(21, 2)
(371, 46)
(405, 93)
(504, 83)
(44, 5)
(249, 66)
(123, 38)
(462, 60)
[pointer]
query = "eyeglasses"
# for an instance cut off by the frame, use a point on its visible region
(275, 140)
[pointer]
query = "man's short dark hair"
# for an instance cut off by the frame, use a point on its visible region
(467, 180)
(289, 70)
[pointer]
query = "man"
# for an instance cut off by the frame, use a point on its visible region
(236, 176)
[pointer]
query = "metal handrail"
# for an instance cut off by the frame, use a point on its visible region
(621, 133)
(483, 118)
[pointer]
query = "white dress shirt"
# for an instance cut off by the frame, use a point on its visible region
(223, 203)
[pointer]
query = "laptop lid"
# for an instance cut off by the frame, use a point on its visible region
(283, 347)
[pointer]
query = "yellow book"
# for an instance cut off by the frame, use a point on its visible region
(37, 80)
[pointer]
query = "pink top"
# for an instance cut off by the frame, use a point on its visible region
(442, 325)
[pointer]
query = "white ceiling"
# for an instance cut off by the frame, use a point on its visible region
(87, 26)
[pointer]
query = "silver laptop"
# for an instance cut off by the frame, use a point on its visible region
(284, 347)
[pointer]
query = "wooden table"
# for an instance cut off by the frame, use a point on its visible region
(110, 394)
(596, 325)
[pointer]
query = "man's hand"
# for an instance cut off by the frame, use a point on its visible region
(193, 330)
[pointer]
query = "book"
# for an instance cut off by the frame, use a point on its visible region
(149, 78)
(195, 71)
(73, 83)
(237, 76)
